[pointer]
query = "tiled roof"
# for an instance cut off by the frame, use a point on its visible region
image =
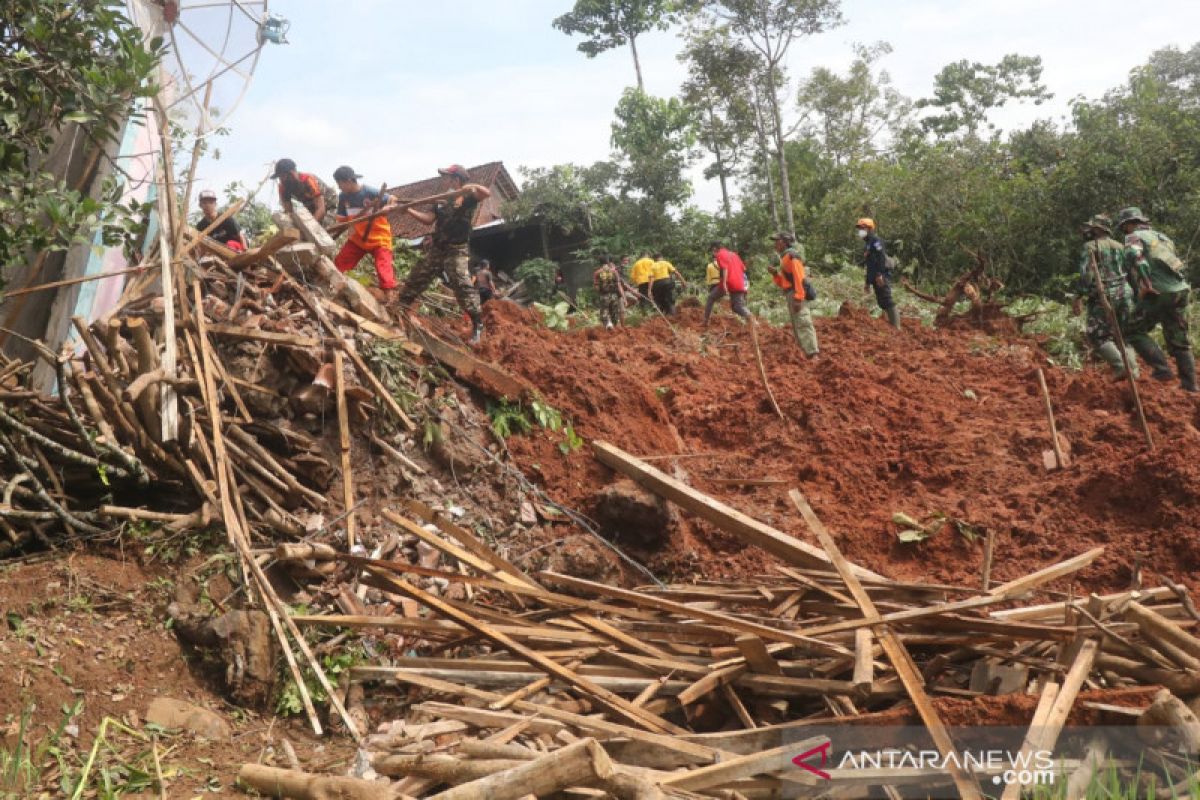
(493, 175)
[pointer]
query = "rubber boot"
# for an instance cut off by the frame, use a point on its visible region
(1153, 355)
(1186, 364)
(476, 329)
(893, 315)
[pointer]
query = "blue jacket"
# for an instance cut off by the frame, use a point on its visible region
(876, 260)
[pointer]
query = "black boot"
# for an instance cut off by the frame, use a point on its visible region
(1153, 355)
(1187, 370)
(893, 315)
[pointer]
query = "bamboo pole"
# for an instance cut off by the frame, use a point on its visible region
(1114, 323)
(762, 369)
(344, 440)
(1059, 461)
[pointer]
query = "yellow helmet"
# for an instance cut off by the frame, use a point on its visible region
(865, 222)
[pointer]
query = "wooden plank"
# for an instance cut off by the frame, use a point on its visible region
(686, 611)
(774, 760)
(864, 664)
(256, 335)
(897, 654)
(756, 655)
(730, 520)
(481, 374)
(1016, 588)
(593, 725)
(620, 706)
(273, 245)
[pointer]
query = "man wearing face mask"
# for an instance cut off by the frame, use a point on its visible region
(879, 270)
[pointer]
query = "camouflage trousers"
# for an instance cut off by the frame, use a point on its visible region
(447, 261)
(610, 306)
(1097, 329)
(802, 326)
(1168, 309)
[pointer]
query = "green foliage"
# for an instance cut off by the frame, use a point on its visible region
(654, 137)
(538, 275)
(555, 317)
(607, 24)
(508, 418)
(964, 92)
(64, 62)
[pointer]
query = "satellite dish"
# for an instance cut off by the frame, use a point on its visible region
(213, 47)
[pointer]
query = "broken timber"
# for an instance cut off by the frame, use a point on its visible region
(749, 530)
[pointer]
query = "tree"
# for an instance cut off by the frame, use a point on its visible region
(718, 72)
(62, 62)
(608, 24)
(770, 28)
(845, 115)
(654, 137)
(964, 92)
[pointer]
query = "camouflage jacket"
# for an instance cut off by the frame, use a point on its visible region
(1110, 260)
(1150, 257)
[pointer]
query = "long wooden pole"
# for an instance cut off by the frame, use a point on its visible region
(762, 368)
(334, 230)
(1058, 453)
(73, 281)
(1114, 324)
(344, 443)
(896, 652)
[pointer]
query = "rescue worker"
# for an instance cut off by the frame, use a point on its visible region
(879, 270)
(790, 276)
(228, 232)
(609, 295)
(662, 284)
(1109, 257)
(372, 236)
(312, 192)
(452, 222)
(732, 283)
(641, 275)
(1162, 298)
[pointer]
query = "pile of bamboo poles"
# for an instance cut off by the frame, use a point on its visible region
(712, 689)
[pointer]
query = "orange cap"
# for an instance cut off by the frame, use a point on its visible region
(865, 222)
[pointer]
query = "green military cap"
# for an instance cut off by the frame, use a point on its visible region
(1131, 214)
(1101, 221)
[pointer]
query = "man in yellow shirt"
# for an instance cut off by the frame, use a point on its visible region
(662, 284)
(640, 275)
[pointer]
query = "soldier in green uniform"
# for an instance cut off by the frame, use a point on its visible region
(1109, 256)
(609, 294)
(1162, 292)
(452, 222)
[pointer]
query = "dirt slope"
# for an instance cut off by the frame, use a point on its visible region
(883, 422)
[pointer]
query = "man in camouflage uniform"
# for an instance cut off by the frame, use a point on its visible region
(609, 294)
(1109, 258)
(1162, 292)
(452, 222)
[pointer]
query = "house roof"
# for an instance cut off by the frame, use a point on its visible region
(493, 175)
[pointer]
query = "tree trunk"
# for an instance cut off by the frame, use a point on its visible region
(716, 149)
(785, 188)
(761, 134)
(637, 64)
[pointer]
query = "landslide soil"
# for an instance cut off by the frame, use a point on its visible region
(921, 421)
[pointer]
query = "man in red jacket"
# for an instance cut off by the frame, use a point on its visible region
(733, 281)
(790, 277)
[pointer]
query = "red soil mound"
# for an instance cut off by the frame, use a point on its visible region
(920, 421)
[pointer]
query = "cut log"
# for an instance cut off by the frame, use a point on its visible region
(751, 531)
(275, 782)
(260, 254)
(1169, 724)
(583, 763)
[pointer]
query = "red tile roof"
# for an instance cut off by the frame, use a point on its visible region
(493, 175)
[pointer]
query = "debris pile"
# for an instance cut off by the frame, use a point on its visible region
(544, 682)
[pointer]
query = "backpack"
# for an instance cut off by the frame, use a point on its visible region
(810, 291)
(606, 281)
(1162, 251)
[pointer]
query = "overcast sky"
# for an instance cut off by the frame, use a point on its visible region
(397, 88)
